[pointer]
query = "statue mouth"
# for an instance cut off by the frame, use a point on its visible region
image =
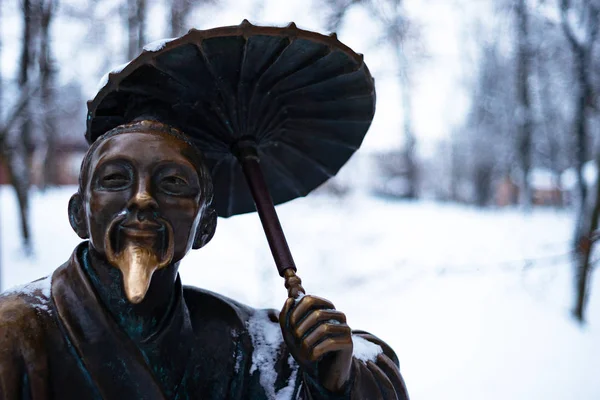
(138, 248)
(142, 230)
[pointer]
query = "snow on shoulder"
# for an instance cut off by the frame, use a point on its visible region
(39, 290)
(268, 342)
(365, 350)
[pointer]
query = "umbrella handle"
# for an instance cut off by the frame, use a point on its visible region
(246, 153)
(293, 284)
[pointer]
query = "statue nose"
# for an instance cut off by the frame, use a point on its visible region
(142, 199)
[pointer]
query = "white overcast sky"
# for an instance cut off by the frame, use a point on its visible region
(439, 79)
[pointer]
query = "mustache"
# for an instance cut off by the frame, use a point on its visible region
(138, 256)
(137, 219)
(138, 222)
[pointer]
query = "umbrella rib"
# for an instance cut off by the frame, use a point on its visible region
(222, 89)
(321, 138)
(283, 170)
(262, 131)
(263, 108)
(268, 121)
(283, 79)
(260, 107)
(169, 72)
(231, 187)
(312, 161)
(270, 130)
(214, 125)
(242, 105)
(258, 82)
(312, 85)
(216, 166)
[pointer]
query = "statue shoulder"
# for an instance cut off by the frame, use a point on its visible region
(24, 313)
(29, 299)
(201, 301)
(366, 343)
(376, 362)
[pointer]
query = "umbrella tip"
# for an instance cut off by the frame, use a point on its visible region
(292, 25)
(361, 57)
(333, 35)
(245, 22)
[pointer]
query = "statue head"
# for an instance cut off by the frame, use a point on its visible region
(144, 201)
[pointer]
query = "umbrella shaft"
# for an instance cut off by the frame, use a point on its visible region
(268, 216)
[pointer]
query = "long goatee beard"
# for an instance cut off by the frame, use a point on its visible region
(137, 263)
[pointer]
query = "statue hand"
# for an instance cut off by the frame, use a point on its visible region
(318, 338)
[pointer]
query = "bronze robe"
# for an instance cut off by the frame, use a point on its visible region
(57, 341)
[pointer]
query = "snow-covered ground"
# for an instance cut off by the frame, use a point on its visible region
(476, 304)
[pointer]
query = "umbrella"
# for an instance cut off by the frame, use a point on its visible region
(275, 110)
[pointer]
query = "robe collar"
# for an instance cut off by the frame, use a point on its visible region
(115, 363)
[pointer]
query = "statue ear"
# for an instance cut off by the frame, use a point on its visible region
(77, 216)
(207, 228)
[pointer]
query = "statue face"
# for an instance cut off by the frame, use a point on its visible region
(142, 201)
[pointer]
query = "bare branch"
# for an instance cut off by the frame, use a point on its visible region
(595, 24)
(17, 110)
(567, 29)
(339, 8)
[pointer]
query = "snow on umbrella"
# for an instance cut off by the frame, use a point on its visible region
(298, 102)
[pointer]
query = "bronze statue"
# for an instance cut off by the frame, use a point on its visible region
(115, 321)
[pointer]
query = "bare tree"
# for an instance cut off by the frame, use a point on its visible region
(489, 127)
(581, 24)
(391, 16)
(524, 114)
(551, 81)
(179, 11)
(19, 165)
(136, 27)
(25, 69)
(48, 100)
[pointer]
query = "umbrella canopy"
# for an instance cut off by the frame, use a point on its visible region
(304, 100)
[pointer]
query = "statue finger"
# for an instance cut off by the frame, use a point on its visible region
(316, 317)
(284, 315)
(323, 332)
(306, 304)
(330, 345)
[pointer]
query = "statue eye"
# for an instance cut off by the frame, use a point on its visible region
(115, 180)
(174, 180)
(174, 184)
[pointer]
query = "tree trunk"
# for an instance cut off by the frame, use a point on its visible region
(482, 181)
(525, 125)
(409, 137)
(27, 57)
(588, 209)
(20, 175)
(47, 75)
(136, 26)
(588, 203)
(583, 252)
(179, 12)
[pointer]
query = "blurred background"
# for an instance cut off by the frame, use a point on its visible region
(462, 232)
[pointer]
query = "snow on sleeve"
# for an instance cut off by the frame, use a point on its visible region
(267, 342)
(365, 350)
(287, 392)
(158, 45)
(39, 290)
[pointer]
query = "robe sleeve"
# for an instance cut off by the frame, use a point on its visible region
(23, 364)
(377, 379)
